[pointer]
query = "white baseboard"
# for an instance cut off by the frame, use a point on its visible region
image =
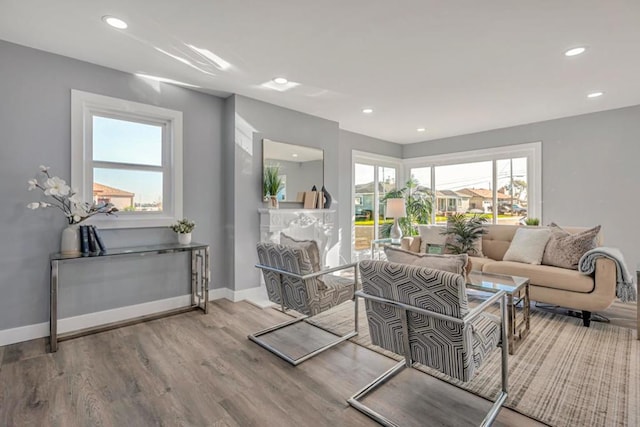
(256, 296)
(40, 330)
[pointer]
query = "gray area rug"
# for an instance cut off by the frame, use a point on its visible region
(563, 374)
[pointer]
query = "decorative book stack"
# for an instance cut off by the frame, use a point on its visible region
(91, 241)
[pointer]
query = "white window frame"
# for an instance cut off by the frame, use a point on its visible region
(84, 106)
(375, 160)
(532, 151)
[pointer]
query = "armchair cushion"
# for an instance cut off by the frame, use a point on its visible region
(452, 263)
(311, 248)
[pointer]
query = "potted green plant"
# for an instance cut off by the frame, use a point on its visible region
(184, 227)
(532, 221)
(272, 184)
(465, 231)
(418, 202)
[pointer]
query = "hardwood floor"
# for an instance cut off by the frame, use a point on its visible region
(201, 370)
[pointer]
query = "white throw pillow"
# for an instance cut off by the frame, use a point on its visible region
(431, 235)
(452, 263)
(528, 245)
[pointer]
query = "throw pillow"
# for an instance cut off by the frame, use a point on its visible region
(565, 249)
(452, 263)
(431, 235)
(528, 245)
(311, 247)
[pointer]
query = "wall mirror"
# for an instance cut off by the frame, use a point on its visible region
(299, 167)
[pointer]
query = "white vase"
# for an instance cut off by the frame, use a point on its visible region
(70, 240)
(184, 238)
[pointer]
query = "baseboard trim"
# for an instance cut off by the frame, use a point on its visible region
(84, 321)
(256, 296)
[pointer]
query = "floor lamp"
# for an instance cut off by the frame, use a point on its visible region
(396, 209)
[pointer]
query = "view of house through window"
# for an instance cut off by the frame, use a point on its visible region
(372, 183)
(127, 164)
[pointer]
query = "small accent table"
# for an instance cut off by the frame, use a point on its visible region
(375, 244)
(199, 284)
(517, 289)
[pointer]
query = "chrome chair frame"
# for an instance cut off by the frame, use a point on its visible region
(283, 309)
(354, 400)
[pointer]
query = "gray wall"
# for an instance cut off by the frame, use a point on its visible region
(589, 170)
(35, 90)
(253, 121)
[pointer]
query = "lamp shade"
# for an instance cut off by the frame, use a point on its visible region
(396, 208)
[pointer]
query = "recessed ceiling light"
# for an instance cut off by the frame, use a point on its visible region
(115, 22)
(294, 155)
(367, 110)
(595, 94)
(421, 129)
(575, 51)
(280, 80)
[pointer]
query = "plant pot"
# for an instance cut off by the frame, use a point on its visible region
(274, 202)
(70, 240)
(184, 238)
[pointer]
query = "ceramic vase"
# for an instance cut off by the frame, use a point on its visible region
(327, 198)
(274, 202)
(70, 240)
(184, 238)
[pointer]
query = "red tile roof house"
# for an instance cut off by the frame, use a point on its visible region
(482, 198)
(121, 199)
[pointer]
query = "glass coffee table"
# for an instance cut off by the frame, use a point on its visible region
(517, 290)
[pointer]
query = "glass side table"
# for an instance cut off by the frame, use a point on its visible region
(376, 243)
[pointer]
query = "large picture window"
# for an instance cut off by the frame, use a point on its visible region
(502, 184)
(128, 154)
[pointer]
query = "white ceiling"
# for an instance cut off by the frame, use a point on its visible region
(451, 67)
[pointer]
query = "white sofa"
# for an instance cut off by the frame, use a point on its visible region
(551, 285)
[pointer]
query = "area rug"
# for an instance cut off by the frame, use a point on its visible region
(563, 374)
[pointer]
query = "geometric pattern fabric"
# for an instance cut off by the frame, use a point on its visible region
(309, 296)
(453, 349)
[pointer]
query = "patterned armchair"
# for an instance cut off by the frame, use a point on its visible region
(292, 283)
(424, 315)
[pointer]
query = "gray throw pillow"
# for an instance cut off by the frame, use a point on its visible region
(565, 249)
(452, 263)
(309, 246)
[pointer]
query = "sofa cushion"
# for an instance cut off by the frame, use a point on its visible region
(497, 240)
(478, 263)
(528, 245)
(311, 247)
(544, 275)
(452, 263)
(565, 249)
(431, 235)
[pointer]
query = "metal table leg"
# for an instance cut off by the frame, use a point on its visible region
(53, 313)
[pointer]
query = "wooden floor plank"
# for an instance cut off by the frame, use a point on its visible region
(194, 369)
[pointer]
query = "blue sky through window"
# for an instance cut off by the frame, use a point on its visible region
(127, 142)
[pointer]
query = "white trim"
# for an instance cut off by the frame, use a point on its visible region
(83, 106)
(256, 296)
(75, 323)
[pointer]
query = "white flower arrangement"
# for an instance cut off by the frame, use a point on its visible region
(183, 226)
(65, 199)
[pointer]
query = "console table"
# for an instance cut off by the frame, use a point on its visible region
(199, 284)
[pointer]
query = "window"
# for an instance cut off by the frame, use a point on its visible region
(501, 183)
(128, 154)
(373, 177)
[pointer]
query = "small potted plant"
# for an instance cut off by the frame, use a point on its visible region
(272, 184)
(184, 227)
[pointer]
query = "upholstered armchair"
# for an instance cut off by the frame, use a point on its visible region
(424, 315)
(295, 284)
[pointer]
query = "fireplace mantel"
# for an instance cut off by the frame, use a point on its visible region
(304, 224)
